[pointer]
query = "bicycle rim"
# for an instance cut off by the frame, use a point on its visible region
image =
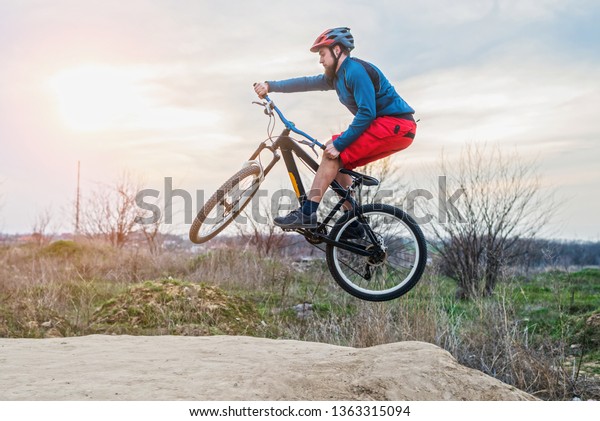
(397, 265)
(225, 204)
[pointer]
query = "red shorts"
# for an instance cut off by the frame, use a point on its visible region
(385, 136)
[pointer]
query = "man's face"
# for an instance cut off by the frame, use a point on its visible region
(327, 60)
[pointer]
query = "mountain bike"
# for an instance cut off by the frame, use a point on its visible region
(383, 262)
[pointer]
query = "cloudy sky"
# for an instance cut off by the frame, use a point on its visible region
(164, 88)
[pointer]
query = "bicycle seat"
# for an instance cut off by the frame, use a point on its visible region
(365, 180)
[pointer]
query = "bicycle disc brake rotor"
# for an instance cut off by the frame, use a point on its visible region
(231, 200)
(379, 256)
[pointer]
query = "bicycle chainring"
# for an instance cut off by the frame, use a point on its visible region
(315, 236)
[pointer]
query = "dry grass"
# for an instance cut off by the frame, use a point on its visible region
(54, 290)
(352, 322)
(493, 340)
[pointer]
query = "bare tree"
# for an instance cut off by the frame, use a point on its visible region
(110, 212)
(39, 230)
(259, 230)
(153, 227)
(499, 202)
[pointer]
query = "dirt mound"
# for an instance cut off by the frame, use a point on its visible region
(590, 334)
(101, 367)
(178, 308)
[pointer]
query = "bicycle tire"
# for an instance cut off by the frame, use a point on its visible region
(397, 268)
(238, 199)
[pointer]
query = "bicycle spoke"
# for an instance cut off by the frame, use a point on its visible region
(351, 268)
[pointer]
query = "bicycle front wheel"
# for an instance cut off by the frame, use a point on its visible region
(226, 204)
(397, 261)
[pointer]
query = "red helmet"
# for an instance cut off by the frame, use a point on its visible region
(334, 36)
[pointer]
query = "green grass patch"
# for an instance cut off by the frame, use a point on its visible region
(558, 303)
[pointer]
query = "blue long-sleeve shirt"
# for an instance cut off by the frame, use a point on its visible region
(356, 91)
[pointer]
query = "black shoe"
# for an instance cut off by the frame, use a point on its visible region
(354, 231)
(297, 219)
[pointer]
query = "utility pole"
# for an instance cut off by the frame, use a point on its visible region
(77, 200)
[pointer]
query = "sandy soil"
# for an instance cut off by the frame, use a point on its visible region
(235, 368)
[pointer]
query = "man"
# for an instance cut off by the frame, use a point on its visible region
(383, 122)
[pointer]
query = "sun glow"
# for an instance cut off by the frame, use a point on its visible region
(100, 97)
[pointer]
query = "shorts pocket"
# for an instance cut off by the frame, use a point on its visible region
(384, 127)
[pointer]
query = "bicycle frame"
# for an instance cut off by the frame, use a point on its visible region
(289, 148)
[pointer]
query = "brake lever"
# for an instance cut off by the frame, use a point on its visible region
(268, 107)
(309, 144)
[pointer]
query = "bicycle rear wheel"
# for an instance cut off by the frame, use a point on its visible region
(225, 204)
(398, 261)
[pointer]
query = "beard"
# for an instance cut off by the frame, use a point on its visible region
(329, 72)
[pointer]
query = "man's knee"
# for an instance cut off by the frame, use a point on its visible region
(331, 163)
